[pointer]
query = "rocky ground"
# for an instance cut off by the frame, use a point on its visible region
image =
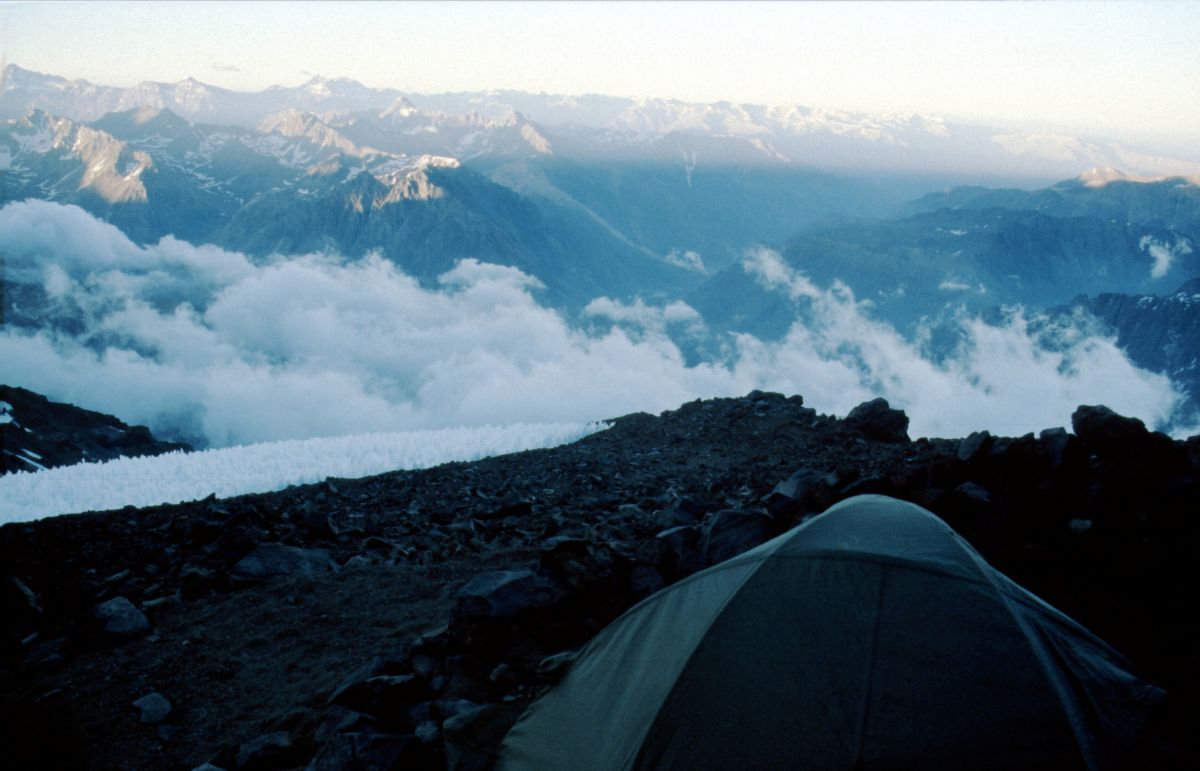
(404, 620)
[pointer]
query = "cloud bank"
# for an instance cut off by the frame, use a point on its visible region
(204, 343)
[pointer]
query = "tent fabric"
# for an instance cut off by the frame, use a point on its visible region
(870, 637)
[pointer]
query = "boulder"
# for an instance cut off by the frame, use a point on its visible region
(680, 550)
(272, 560)
(120, 620)
(153, 708)
(804, 491)
(877, 420)
(360, 750)
(472, 737)
(19, 607)
(730, 532)
(388, 697)
(974, 446)
(268, 751)
(1055, 442)
(504, 593)
(577, 562)
(1098, 425)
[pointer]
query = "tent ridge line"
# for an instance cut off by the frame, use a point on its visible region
(1062, 690)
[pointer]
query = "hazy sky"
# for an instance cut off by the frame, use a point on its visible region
(1127, 70)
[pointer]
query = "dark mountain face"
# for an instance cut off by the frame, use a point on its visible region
(308, 189)
(975, 256)
(37, 433)
(1172, 203)
(1160, 333)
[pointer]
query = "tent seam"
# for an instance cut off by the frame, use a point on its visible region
(639, 745)
(1061, 689)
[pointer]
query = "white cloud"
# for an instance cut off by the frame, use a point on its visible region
(1164, 255)
(687, 259)
(205, 342)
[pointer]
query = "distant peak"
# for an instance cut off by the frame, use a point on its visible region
(1102, 175)
(401, 107)
(1105, 175)
(159, 115)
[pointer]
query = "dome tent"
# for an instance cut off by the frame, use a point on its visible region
(872, 636)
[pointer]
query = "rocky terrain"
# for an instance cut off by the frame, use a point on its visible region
(38, 433)
(404, 620)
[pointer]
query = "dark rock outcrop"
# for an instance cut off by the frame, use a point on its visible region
(38, 433)
(877, 420)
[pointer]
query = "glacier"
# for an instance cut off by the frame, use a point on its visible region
(265, 467)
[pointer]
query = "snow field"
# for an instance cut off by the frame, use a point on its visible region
(176, 477)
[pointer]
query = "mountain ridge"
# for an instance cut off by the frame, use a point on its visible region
(829, 137)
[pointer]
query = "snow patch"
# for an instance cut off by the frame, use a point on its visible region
(176, 477)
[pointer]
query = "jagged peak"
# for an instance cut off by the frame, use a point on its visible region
(290, 122)
(401, 107)
(163, 116)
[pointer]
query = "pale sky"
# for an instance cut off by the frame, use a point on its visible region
(1122, 70)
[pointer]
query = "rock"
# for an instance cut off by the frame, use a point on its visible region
(877, 420)
(869, 485)
(120, 620)
(340, 720)
(1054, 443)
(804, 491)
(384, 696)
(427, 731)
(316, 520)
(362, 751)
(515, 507)
(195, 581)
(975, 493)
(271, 560)
(269, 751)
(730, 532)
(1192, 451)
(153, 707)
(682, 511)
(473, 737)
(1098, 425)
(644, 581)
(19, 607)
(680, 547)
(974, 446)
(577, 562)
(504, 593)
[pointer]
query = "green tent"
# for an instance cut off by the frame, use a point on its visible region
(872, 636)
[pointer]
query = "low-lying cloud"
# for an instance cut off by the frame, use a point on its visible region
(202, 342)
(1163, 254)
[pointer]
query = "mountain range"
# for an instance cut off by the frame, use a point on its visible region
(609, 126)
(634, 199)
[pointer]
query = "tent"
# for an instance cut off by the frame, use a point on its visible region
(871, 636)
